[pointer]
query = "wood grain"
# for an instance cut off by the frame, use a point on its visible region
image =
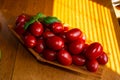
(96, 18)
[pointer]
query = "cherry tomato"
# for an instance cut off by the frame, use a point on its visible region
(21, 18)
(64, 57)
(55, 43)
(66, 27)
(48, 34)
(63, 36)
(82, 37)
(57, 27)
(78, 60)
(20, 28)
(84, 49)
(29, 41)
(73, 34)
(76, 47)
(103, 58)
(36, 29)
(40, 46)
(92, 65)
(94, 50)
(49, 54)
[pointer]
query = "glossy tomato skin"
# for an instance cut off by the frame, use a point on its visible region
(36, 29)
(48, 34)
(30, 41)
(76, 47)
(63, 36)
(57, 27)
(82, 37)
(84, 50)
(92, 65)
(21, 18)
(102, 59)
(49, 54)
(78, 60)
(55, 43)
(19, 29)
(64, 57)
(94, 50)
(66, 27)
(40, 46)
(73, 34)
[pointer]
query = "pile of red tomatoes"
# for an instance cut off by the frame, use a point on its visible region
(56, 42)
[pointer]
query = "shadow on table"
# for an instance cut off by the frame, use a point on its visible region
(104, 3)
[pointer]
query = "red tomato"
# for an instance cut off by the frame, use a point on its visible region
(78, 60)
(49, 54)
(48, 34)
(103, 58)
(36, 29)
(40, 46)
(76, 47)
(19, 29)
(92, 65)
(29, 41)
(57, 27)
(66, 27)
(63, 36)
(73, 34)
(55, 43)
(64, 57)
(21, 18)
(94, 50)
(82, 37)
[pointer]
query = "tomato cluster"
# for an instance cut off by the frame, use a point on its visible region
(55, 41)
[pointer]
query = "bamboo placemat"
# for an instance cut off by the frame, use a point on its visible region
(94, 18)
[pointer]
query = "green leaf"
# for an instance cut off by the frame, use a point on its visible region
(33, 19)
(50, 19)
(28, 23)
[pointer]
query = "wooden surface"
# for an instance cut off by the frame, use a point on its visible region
(96, 18)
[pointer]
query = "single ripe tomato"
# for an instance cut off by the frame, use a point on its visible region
(103, 58)
(84, 49)
(40, 46)
(57, 27)
(55, 43)
(36, 29)
(92, 65)
(48, 34)
(30, 41)
(76, 47)
(21, 18)
(19, 29)
(49, 54)
(64, 57)
(82, 38)
(94, 50)
(78, 60)
(66, 27)
(63, 36)
(73, 34)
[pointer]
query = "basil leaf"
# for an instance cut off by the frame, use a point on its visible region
(50, 19)
(33, 19)
(28, 23)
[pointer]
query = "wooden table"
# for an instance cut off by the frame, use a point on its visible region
(96, 18)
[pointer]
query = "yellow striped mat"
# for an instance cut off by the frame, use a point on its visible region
(95, 19)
